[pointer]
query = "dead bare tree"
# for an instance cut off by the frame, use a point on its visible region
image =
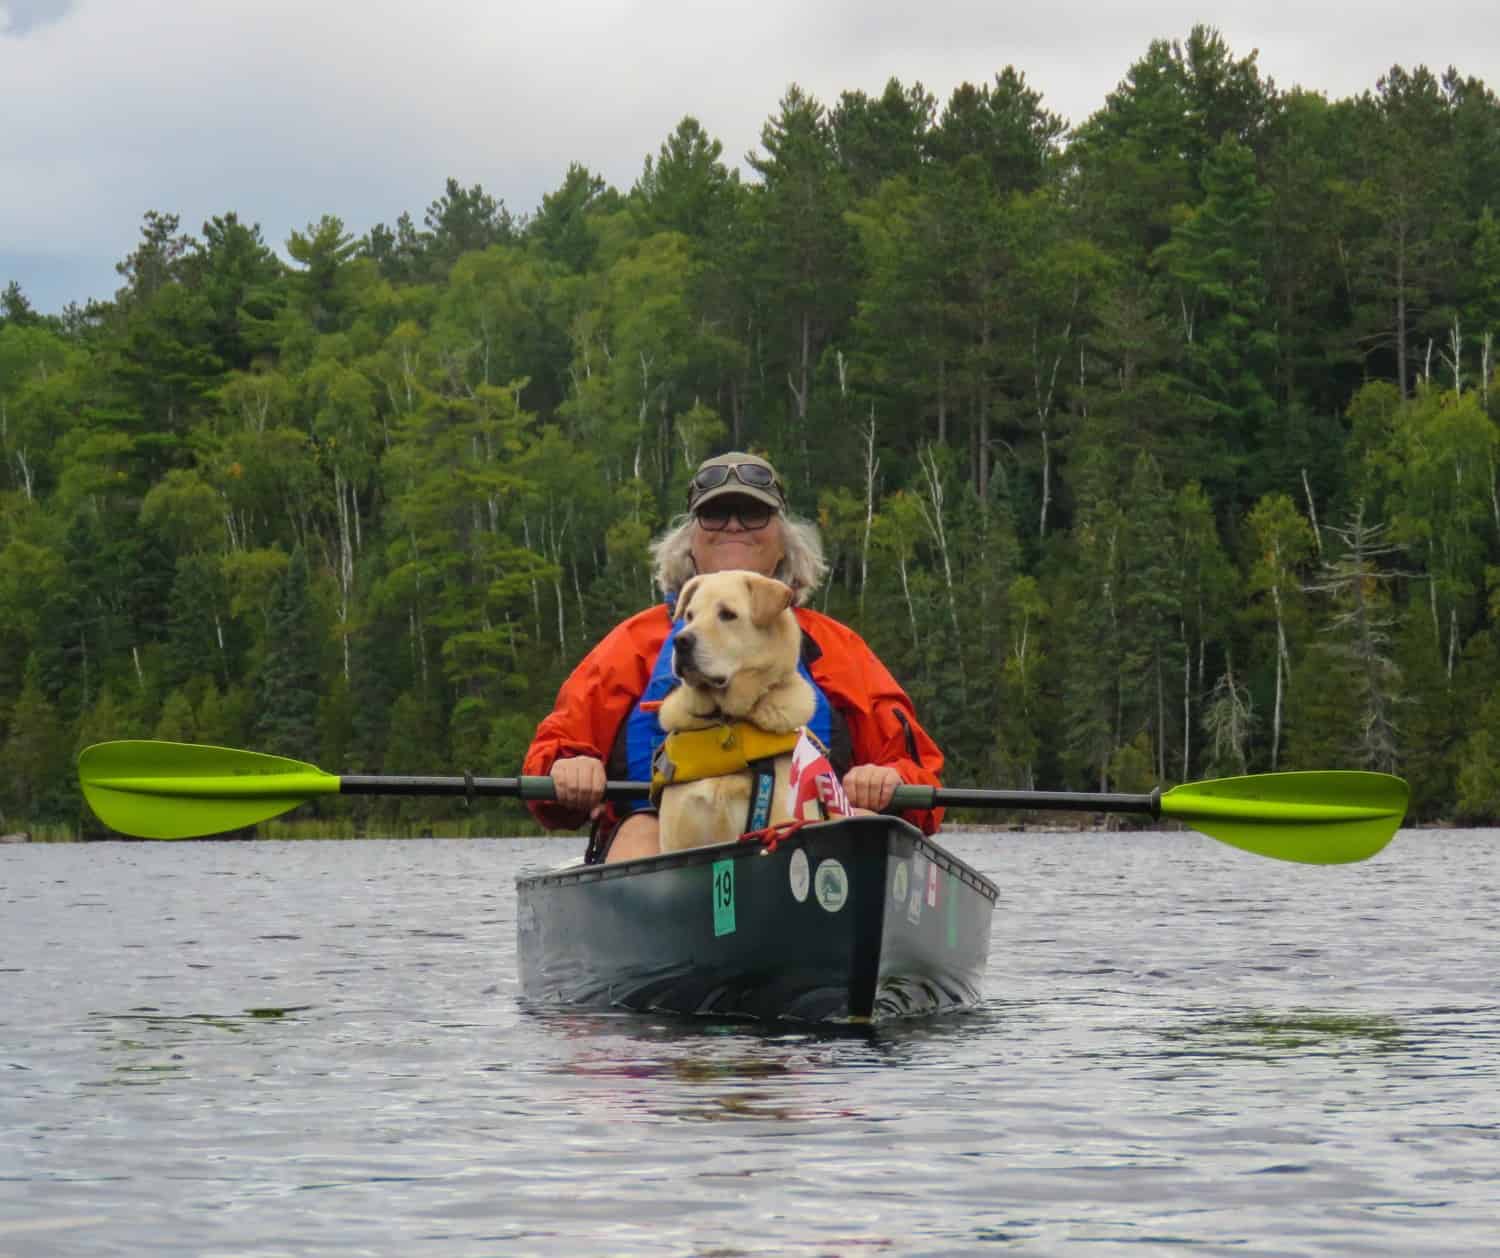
(1360, 634)
(1453, 356)
(1227, 719)
(930, 503)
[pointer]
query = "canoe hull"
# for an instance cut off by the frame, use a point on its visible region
(855, 920)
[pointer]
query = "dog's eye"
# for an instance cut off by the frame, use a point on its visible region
(726, 614)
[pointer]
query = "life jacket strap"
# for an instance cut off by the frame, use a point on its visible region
(762, 789)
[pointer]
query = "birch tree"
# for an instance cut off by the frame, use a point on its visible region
(1283, 545)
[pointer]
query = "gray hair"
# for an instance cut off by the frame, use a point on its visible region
(803, 567)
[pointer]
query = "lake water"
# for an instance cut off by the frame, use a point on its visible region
(317, 1048)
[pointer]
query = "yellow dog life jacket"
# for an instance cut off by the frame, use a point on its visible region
(691, 754)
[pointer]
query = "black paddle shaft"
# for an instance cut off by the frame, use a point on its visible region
(906, 797)
(470, 786)
(1029, 801)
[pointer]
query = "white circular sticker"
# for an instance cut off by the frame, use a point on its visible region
(797, 872)
(899, 883)
(831, 885)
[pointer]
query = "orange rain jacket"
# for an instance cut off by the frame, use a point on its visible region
(601, 692)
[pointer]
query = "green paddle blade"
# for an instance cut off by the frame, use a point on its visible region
(1327, 818)
(160, 790)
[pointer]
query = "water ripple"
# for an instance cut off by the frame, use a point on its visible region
(279, 1048)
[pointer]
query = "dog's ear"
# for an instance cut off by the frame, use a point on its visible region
(685, 596)
(768, 599)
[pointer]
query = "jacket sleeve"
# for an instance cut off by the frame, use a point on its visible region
(883, 725)
(592, 704)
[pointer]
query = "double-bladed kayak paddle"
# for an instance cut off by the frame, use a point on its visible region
(164, 790)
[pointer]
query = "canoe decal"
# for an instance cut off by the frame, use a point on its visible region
(898, 883)
(831, 885)
(723, 889)
(799, 876)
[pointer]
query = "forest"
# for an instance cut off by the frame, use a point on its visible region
(1157, 448)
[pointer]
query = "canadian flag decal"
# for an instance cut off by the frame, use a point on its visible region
(816, 791)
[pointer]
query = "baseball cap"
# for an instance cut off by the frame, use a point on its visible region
(738, 475)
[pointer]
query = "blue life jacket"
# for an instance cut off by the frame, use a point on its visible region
(641, 734)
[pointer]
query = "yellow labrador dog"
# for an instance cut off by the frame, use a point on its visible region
(736, 657)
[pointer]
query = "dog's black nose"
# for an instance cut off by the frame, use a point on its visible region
(683, 644)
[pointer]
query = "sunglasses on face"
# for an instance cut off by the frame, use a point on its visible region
(752, 474)
(753, 516)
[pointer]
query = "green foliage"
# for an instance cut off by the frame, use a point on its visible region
(239, 277)
(1130, 766)
(176, 723)
(465, 220)
(1154, 449)
(36, 785)
(195, 615)
(1214, 264)
(565, 228)
(289, 677)
(414, 740)
(686, 188)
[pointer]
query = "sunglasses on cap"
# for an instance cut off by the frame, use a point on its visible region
(753, 516)
(753, 475)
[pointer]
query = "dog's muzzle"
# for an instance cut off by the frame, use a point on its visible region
(686, 666)
(683, 666)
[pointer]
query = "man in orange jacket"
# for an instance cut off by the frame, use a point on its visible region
(604, 722)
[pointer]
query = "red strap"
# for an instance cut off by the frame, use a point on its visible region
(771, 836)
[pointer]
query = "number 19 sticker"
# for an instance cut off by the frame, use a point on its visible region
(723, 887)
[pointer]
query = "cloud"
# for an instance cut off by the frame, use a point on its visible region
(283, 111)
(19, 17)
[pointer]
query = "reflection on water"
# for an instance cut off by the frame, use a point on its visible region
(142, 1046)
(157, 1019)
(657, 1029)
(724, 1067)
(1269, 1035)
(263, 1048)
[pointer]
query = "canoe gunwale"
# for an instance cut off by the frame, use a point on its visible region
(741, 849)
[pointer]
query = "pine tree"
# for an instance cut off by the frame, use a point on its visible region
(193, 624)
(288, 683)
(36, 785)
(1214, 261)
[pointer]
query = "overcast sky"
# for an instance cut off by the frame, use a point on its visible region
(285, 110)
